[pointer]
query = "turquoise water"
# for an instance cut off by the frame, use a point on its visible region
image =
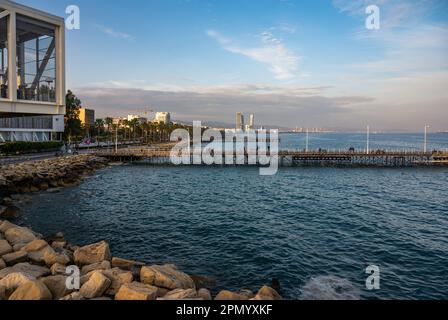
(244, 229)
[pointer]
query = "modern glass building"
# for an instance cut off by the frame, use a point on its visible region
(32, 73)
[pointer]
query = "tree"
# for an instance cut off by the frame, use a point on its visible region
(72, 122)
(99, 125)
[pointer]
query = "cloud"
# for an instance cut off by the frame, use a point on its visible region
(281, 61)
(291, 106)
(115, 34)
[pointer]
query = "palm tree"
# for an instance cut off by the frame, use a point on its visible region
(99, 125)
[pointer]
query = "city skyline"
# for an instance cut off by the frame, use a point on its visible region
(293, 63)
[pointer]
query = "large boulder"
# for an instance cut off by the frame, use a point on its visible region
(5, 247)
(180, 294)
(96, 286)
(229, 295)
(103, 265)
(57, 286)
(267, 293)
(2, 264)
(30, 270)
(15, 257)
(2, 293)
(136, 291)
(166, 276)
(125, 264)
(11, 212)
(14, 280)
(73, 296)
(6, 225)
(118, 278)
(204, 294)
(19, 235)
(32, 290)
(58, 269)
(92, 253)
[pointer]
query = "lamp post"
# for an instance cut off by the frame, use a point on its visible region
(368, 140)
(307, 140)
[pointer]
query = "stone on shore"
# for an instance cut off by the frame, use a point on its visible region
(125, 264)
(103, 265)
(58, 269)
(11, 212)
(27, 269)
(75, 296)
(5, 247)
(2, 264)
(166, 276)
(6, 225)
(267, 293)
(15, 257)
(32, 290)
(118, 278)
(96, 286)
(2, 293)
(14, 280)
(92, 253)
(136, 291)
(229, 295)
(204, 294)
(57, 286)
(180, 294)
(19, 235)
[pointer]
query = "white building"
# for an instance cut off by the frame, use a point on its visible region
(139, 118)
(32, 73)
(163, 117)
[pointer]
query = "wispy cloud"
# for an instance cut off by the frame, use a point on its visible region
(271, 51)
(114, 33)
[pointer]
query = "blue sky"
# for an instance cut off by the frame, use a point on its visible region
(291, 62)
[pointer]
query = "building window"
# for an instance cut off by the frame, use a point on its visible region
(4, 57)
(36, 60)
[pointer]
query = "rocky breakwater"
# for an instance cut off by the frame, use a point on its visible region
(33, 267)
(43, 175)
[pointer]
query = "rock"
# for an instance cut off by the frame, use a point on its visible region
(2, 293)
(27, 269)
(58, 244)
(166, 276)
(118, 278)
(2, 264)
(162, 292)
(15, 257)
(6, 225)
(14, 280)
(19, 235)
(35, 245)
(51, 257)
(136, 291)
(57, 286)
(73, 296)
(96, 286)
(229, 295)
(267, 293)
(180, 294)
(18, 247)
(7, 201)
(93, 253)
(11, 212)
(5, 247)
(101, 299)
(2, 210)
(32, 290)
(246, 292)
(204, 294)
(203, 281)
(58, 269)
(103, 265)
(125, 264)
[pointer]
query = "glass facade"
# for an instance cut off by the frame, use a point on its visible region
(36, 60)
(4, 57)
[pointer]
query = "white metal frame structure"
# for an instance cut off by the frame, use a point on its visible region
(15, 104)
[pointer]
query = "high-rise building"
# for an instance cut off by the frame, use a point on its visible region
(87, 117)
(239, 121)
(139, 118)
(163, 117)
(251, 121)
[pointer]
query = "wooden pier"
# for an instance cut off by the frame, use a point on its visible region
(292, 158)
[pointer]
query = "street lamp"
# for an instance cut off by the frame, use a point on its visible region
(425, 145)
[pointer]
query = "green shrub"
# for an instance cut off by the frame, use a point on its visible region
(28, 147)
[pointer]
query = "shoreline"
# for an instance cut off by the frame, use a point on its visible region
(33, 267)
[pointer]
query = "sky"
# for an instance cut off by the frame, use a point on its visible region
(293, 63)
